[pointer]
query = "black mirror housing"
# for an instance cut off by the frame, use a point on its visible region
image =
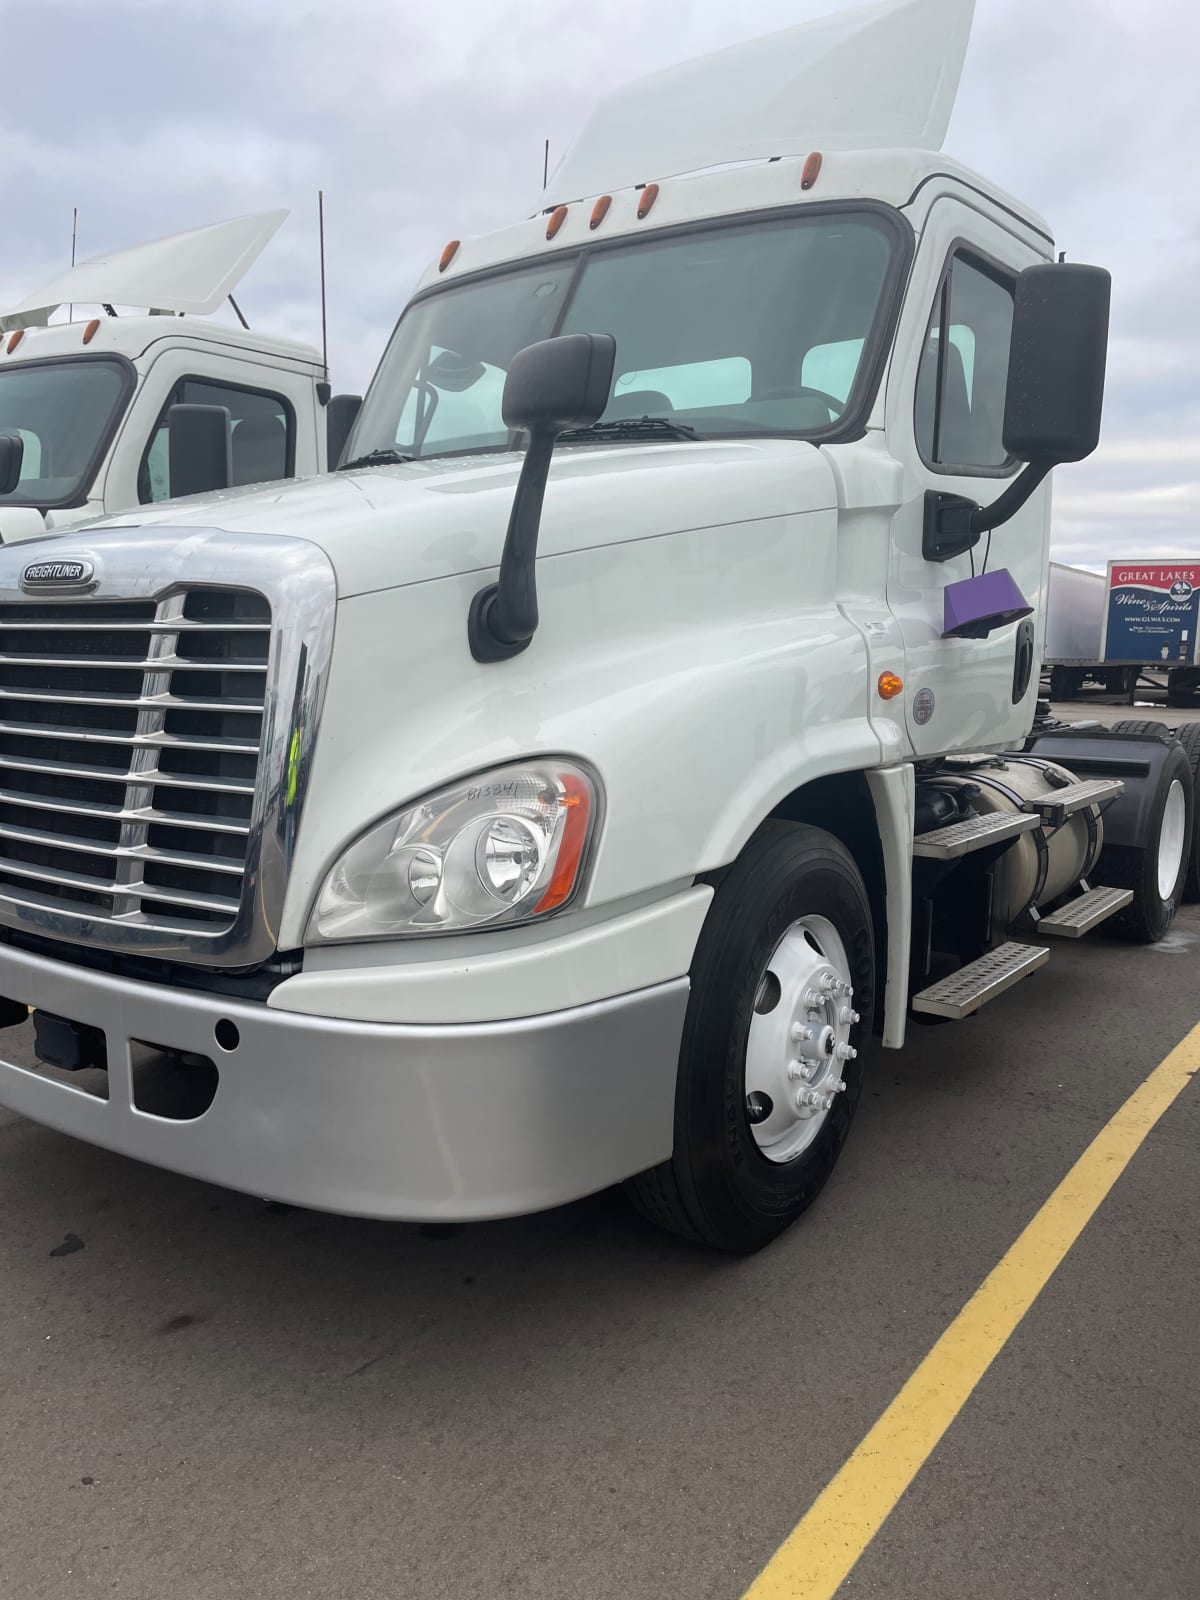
(12, 454)
(559, 383)
(340, 417)
(1056, 364)
(551, 386)
(199, 449)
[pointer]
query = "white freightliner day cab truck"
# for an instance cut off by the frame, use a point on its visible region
(572, 793)
(102, 413)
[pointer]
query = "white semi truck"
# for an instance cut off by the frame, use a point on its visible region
(103, 412)
(579, 789)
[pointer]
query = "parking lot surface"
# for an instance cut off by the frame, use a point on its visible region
(208, 1397)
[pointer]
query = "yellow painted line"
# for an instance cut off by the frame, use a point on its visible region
(814, 1560)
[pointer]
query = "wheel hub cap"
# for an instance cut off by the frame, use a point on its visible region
(799, 1039)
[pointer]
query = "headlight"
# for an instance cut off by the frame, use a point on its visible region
(502, 847)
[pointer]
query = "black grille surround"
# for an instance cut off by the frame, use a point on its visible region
(154, 746)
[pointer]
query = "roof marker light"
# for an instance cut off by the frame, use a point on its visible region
(448, 254)
(648, 196)
(812, 170)
(92, 329)
(557, 217)
(14, 339)
(600, 210)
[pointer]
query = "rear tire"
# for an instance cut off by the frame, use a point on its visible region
(1155, 869)
(1189, 739)
(795, 899)
(1158, 730)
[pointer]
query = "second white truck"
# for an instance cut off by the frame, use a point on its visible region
(103, 412)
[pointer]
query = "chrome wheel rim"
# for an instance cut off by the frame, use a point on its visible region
(799, 1039)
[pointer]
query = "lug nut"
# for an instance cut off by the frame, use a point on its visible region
(829, 982)
(801, 1070)
(847, 1015)
(836, 1085)
(846, 1052)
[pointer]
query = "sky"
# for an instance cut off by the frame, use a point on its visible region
(423, 123)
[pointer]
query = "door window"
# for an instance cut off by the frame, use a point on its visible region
(264, 436)
(964, 370)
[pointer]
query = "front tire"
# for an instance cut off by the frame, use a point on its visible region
(770, 1067)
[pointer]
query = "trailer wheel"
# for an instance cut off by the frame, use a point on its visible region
(769, 1070)
(1066, 683)
(1155, 868)
(1189, 739)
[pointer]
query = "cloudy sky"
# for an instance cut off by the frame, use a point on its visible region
(425, 122)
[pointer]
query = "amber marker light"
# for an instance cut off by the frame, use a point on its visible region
(92, 329)
(577, 803)
(889, 685)
(600, 210)
(14, 339)
(648, 196)
(557, 217)
(812, 170)
(448, 255)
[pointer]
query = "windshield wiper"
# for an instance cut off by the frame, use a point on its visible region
(629, 428)
(377, 458)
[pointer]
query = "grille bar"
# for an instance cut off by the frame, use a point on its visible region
(150, 738)
(140, 852)
(116, 813)
(151, 625)
(134, 663)
(134, 702)
(168, 780)
(82, 880)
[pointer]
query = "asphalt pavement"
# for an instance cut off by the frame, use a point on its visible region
(206, 1397)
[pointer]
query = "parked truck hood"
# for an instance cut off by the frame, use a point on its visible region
(391, 526)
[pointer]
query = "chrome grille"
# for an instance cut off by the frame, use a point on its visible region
(130, 738)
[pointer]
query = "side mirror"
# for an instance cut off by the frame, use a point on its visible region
(1056, 363)
(199, 449)
(551, 386)
(1053, 401)
(340, 416)
(12, 454)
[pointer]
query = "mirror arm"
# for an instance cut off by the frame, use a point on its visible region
(985, 518)
(504, 615)
(954, 524)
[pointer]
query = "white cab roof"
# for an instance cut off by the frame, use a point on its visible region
(190, 272)
(880, 77)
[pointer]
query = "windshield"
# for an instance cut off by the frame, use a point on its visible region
(65, 412)
(756, 328)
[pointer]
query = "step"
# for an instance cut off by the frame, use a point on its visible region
(943, 844)
(1080, 916)
(975, 984)
(1060, 804)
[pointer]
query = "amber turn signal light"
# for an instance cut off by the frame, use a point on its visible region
(889, 685)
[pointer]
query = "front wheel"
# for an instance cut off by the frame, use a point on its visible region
(770, 1068)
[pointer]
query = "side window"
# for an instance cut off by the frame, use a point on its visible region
(964, 369)
(264, 436)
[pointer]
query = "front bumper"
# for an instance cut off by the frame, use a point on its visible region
(381, 1120)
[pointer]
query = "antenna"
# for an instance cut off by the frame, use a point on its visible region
(324, 330)
(74, 233)
(546, 164)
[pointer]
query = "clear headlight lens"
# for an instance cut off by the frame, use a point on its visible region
(502, 847)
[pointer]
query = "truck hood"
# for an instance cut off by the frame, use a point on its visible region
(390, 526)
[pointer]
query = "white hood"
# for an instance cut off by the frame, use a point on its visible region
(391, 526)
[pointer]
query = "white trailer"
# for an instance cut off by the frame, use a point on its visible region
(582, 789)
(1110, 628)
(103, 413)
